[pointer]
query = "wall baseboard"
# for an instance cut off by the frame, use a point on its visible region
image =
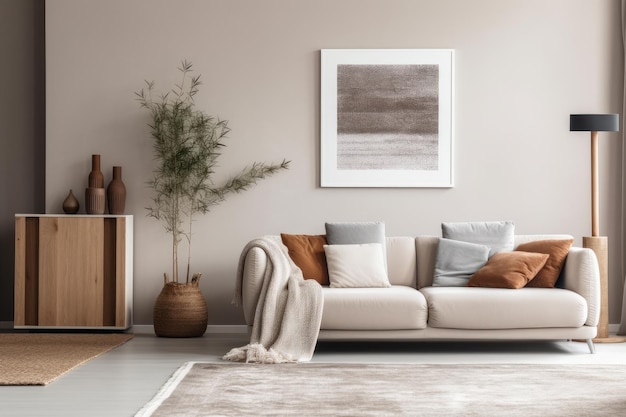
(149, 329)
(212, 329)
(224, 329)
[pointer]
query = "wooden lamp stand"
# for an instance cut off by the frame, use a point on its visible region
(598, 244)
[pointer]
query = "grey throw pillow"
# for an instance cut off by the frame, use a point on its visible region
(457, 261)
(350, 233)
(499, 236)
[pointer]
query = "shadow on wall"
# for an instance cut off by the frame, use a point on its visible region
(22, 167)
(6, 271)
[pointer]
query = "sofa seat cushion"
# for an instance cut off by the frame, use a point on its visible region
(500, 308)
(395, 308)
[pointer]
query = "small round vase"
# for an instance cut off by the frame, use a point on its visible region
(180, 310)
(70, 204)
(116, 193)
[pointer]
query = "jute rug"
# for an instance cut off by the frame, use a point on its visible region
(230, 389)
(38, 359)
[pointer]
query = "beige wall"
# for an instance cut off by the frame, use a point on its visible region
(521, 68)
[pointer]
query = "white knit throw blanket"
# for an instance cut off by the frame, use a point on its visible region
(288, 314)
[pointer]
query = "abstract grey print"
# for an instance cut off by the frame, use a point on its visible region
(388, 117)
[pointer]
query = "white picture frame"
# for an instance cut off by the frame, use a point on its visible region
(386, 117)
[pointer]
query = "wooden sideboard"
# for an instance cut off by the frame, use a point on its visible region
(73, 271)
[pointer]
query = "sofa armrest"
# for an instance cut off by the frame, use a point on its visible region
(581, 274)
(254, 268)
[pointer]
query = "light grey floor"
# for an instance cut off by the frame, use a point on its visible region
(120, 382)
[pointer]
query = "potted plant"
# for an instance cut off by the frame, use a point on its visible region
(186, 145)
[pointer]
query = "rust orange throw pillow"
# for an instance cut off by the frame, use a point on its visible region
(307, 251)
(508, 270)
(558, 250)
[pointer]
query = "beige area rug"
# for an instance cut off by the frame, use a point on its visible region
(40, 358)
(231, 389)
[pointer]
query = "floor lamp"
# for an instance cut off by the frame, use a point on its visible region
(595, 123)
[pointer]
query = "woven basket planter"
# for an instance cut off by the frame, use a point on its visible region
(180, 310)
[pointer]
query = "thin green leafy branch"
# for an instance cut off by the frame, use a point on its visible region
(186, 143)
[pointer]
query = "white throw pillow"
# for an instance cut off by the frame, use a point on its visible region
(356, 266)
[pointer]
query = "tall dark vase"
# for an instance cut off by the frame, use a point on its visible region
(95, 194)
(116, 193)
(96, 179)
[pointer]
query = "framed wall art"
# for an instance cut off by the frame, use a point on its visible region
(387, 117)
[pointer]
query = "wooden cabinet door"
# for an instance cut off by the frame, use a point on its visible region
(71, 281)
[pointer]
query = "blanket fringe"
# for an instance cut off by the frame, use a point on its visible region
(256, 353)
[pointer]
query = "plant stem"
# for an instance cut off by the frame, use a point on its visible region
(189, 250)
(174, 258)
(175, 232)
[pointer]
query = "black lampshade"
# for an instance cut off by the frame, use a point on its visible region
(594, 122)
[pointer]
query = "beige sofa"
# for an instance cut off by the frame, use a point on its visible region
(413, 309)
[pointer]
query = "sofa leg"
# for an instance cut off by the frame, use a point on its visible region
(592, 347)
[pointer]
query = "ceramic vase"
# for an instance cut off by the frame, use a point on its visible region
(94, 200)
(70, 204)
(96, 179)
(95, 194)
(116, 193)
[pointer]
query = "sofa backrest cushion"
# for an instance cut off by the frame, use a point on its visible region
(426, 249)
(519, 239)
(401, 261)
